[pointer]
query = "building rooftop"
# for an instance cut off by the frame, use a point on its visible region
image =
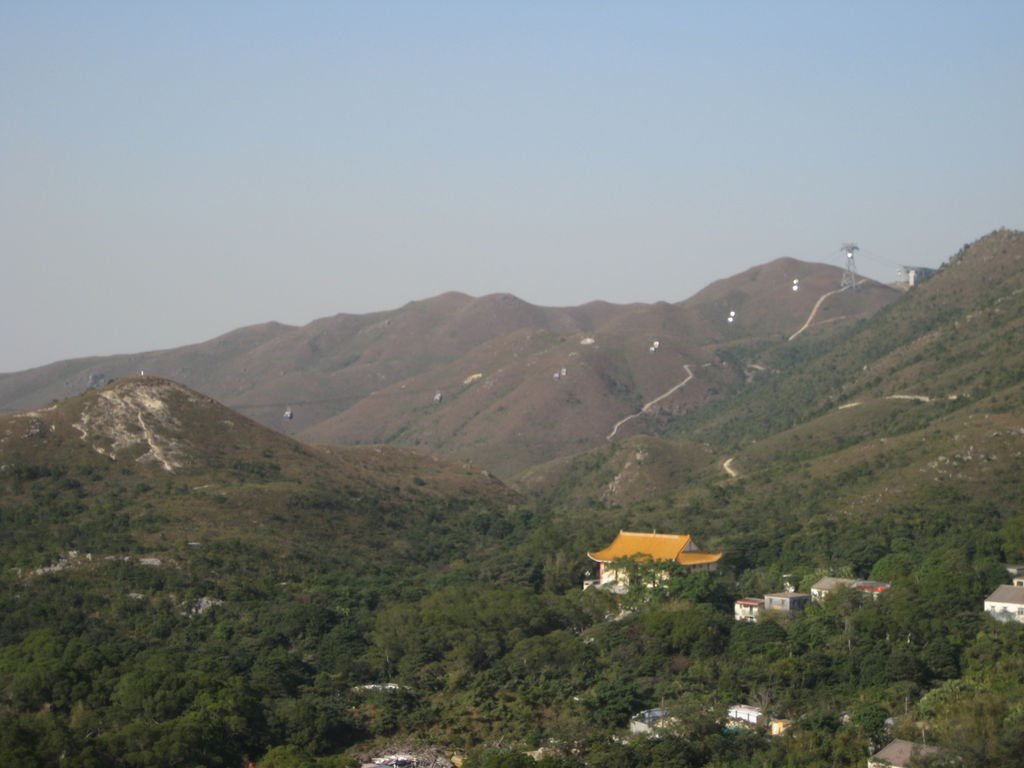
(655, 546)
(831, 582)
(898, 753)
(1007, 593)
(872, 586)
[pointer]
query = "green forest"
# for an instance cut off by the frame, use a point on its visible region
(237, 653)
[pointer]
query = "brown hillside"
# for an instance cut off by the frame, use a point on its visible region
(503, 406)
(372, 378)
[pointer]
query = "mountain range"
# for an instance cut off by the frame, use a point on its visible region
(896, 388)
(493, 379)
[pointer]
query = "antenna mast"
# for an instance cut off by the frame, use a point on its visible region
(850, 273)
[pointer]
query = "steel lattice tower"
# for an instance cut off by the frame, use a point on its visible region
(850, 272)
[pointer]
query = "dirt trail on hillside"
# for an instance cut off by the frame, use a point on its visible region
(814, 311)
(648, 406)
(727, 466)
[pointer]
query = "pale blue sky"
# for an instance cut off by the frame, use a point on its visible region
(172, 171)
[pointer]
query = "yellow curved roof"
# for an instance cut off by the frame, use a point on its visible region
(698, 558)
(656, 546)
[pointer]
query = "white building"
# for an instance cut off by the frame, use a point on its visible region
(1006, 603)
(748, 608)
(745, 712)
(912, 276)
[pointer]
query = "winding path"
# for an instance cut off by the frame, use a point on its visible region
(814, 310)
(648, 406)
(727, 466)
(817, 305)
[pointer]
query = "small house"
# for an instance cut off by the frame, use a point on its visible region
(829, 584)
(787, 602)
(656, 547)
(899, 754)
(745, 713)
(1006, 603)
(748, 608)
(911, 276)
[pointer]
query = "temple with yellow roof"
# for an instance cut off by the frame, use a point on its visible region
(677, 548)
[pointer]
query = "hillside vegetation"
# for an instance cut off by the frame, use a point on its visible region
(182, 586)
(163, 553)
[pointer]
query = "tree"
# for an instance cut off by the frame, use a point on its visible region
(288, 756)
(494, 757)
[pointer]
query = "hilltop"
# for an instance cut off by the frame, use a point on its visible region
(171, 472)
(495, 361)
